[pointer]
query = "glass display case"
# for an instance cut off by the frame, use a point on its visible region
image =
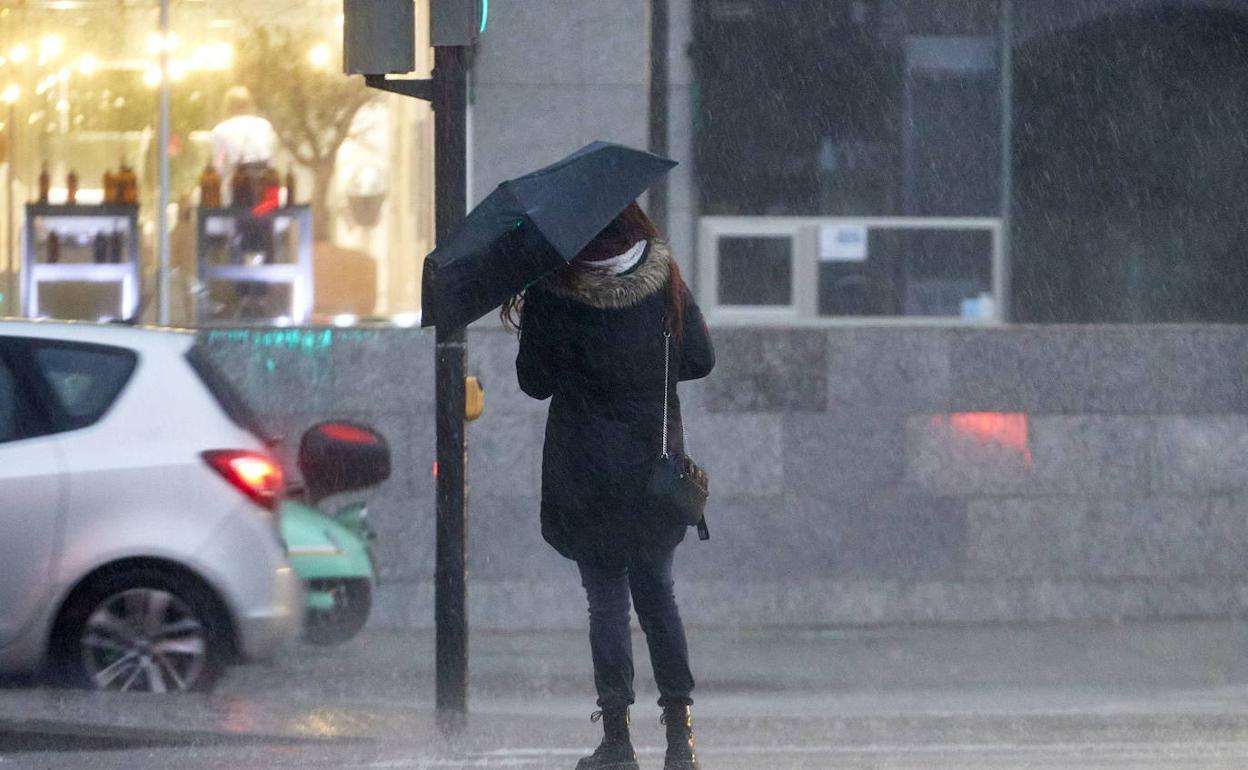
(254, 266)
(81, 261)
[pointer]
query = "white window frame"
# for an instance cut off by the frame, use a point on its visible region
(804, 290)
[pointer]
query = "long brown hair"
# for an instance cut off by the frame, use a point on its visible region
(628, 227)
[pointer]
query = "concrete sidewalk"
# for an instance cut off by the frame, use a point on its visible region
(1152, 695)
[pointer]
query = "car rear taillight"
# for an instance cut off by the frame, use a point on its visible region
(254, 474)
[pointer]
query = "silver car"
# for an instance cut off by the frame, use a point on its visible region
(139, 547)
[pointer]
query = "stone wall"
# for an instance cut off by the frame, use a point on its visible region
(860, 475)
(553, 75)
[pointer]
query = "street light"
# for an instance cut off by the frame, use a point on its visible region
(378, 39)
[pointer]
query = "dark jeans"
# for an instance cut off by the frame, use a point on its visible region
(648, 577)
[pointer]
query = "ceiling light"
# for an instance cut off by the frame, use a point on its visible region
(320, 55)
(51, 47)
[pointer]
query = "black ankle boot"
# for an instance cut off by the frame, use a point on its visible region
(680, 754)
(616, 750)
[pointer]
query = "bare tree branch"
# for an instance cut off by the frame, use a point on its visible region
(311, 109)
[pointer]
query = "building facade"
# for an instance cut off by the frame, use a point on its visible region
(969, 161)
(1063, 161)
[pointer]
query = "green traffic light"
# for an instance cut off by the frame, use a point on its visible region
(485, 14)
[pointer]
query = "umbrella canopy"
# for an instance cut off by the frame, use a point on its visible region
(530, 226)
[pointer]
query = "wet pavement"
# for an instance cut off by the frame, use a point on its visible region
(1150, 695)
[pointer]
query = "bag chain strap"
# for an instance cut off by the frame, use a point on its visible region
(667, 358)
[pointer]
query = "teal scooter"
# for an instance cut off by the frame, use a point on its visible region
(332, 552)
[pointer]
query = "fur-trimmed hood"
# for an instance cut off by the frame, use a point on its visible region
(607, 291)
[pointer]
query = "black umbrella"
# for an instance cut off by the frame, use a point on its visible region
(528, 227)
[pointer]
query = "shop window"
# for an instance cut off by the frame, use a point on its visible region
(785, 269)
(929, 274)
(755, 271)
(295, 194)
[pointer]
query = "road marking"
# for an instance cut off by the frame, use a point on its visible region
(1121, 752)
(1202, 746)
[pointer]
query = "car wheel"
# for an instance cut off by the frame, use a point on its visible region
(353, 599)
(143, 630)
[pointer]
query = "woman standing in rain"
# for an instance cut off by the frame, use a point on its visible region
(592, 340)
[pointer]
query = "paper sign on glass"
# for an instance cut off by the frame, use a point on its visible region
(843, 243)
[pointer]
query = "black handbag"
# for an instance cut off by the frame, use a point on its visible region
(677, 489)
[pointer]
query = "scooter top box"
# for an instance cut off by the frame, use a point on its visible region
(340, 456)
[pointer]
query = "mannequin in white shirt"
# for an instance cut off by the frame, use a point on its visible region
(242, 139)
(244, 143)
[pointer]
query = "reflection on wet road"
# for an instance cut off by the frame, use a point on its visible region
(1165, 695)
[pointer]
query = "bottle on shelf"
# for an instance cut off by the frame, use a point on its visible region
(71, 187)
(127, 185)
(110, 186)
(45, 183)
(242, 189)
(99, 248)
(54, 248)
(117, 247)
(210, 188)
(290, 186)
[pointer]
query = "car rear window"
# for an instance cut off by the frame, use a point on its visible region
(231, 401)
(85, 380)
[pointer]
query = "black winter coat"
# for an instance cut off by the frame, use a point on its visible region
(593, 344)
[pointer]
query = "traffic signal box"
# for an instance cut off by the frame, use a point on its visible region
(379, 35)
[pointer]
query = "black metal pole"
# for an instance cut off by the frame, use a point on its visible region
(450, 98)
(658, 77)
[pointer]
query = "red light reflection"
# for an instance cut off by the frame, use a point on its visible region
(1004, 429)
(341, 431)
(269, 202)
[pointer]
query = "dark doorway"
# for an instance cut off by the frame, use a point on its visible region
(1130, 194)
